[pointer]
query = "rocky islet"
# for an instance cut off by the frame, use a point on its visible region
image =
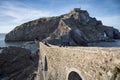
(75, 28)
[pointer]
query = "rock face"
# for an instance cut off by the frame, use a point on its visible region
(34, 29)
(77, 25)
(16, 64)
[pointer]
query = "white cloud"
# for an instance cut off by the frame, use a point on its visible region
(4, 29)
(20, 13)
(111, 21)
(17, 14)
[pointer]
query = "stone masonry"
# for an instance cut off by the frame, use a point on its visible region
(90, 63)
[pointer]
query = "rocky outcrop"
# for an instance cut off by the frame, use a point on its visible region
(16, 64)
(76, 27)
(39, 29)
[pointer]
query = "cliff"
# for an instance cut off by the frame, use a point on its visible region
(17, 63)
(73, 28)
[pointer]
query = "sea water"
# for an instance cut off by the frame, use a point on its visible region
(116, 43)
(5, 44)
(31, 45)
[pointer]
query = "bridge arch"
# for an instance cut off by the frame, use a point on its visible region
(74, 74)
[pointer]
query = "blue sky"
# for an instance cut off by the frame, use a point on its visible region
(16, 12)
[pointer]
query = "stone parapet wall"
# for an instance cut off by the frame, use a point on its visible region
(91, 63)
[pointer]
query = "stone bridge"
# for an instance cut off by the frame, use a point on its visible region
(78, 63)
